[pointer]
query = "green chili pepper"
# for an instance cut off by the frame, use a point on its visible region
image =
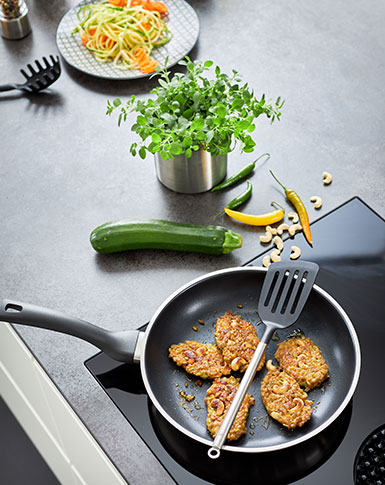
(239, 175)
(241, 198)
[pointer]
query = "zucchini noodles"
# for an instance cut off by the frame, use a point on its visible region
(125, 36)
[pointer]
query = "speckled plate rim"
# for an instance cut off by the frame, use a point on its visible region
(68, 43)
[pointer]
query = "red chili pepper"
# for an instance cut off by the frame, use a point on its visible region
(294, 198)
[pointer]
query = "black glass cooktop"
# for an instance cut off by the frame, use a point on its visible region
(350, 250)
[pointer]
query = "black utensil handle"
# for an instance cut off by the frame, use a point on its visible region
(7, 87)
(119, 345)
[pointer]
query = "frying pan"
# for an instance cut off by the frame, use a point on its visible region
(205, 299)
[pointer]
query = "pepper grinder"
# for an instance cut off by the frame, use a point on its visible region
(14, 19)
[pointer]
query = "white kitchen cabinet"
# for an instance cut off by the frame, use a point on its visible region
(67, 446)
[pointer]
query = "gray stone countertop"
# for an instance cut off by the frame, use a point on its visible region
(65, 168)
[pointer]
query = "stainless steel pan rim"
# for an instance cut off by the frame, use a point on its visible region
(241, 449)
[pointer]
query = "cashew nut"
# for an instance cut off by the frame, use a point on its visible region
(327, 178)
(219, 406)
(282, 227)
(275, 255)
(247, 345)
(237, 362)
(266, 238)
(270, 366)
(299, 404)
(317, 201)
(278, 242)
(273, 230)
(190, 356)
(293, 216)
(276, 415)
(266, 261)
(294, 228)
(281, 389)
(235, 324)
(295, 252)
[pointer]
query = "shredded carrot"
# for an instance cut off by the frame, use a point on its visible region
(159, 7)
(149, 5)
(144, 61)
(118, 3)
(84, 38)
(146, 26)
(128, 54)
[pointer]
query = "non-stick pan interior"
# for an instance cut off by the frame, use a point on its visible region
(238, 291)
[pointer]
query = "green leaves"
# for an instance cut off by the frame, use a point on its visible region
(221, 111)
(187, 141)
(188, 113)
(209, 136)
(243, 125)
(192, 110)
(198, 124)
(141, 120)
(176, 148)
(156, 138)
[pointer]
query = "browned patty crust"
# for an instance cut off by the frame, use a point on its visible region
(303, 360)
(237, 339)
(200, 359)
(218, 400)
(283, 399)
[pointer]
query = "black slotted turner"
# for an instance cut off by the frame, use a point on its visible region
(285, 290)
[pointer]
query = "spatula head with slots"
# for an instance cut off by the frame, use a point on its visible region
(284, 292)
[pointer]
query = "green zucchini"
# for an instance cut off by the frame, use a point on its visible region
(125, 234)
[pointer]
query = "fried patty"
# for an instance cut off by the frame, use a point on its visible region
(237, 339)
(303, 360)
(200, 359)
(218, 400)
(283, 399)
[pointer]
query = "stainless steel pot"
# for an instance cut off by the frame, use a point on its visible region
(193, 175)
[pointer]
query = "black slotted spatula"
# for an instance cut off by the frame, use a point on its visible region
(39, 77)
(284, 293)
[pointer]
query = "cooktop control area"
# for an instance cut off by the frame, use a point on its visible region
(370, 460)
(349, 246)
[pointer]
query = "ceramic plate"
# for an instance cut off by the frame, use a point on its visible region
(182, 21)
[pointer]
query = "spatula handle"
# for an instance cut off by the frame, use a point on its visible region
(7, 87)
(244, 385)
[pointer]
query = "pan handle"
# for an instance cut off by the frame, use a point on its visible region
(119, 345)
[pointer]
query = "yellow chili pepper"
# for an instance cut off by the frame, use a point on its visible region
(257, 220)
(294, 198)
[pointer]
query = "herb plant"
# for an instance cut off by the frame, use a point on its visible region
(191, 111)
